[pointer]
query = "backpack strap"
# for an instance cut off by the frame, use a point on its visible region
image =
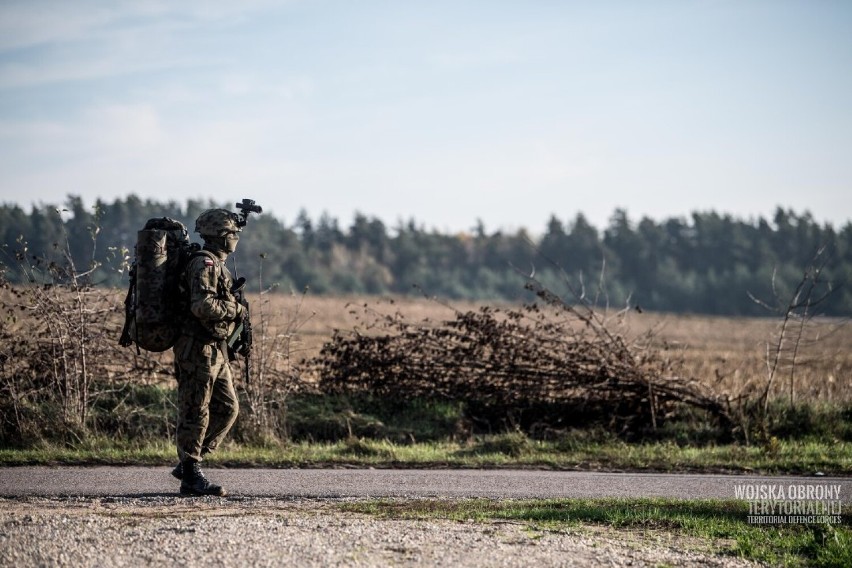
(202, 252)
(129, 317)
(212, 256)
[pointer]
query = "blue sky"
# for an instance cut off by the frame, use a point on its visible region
(445, 112)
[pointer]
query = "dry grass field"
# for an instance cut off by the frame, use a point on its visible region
(730, 354)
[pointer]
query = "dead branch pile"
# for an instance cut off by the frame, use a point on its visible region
(555, 358)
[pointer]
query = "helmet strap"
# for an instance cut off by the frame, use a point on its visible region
(216, 244)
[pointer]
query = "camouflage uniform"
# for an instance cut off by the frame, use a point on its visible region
(207, 402)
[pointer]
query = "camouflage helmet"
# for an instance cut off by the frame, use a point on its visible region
(216, 223)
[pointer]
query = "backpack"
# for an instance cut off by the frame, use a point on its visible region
(155, 305)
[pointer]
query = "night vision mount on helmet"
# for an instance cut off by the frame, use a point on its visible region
(219, 222)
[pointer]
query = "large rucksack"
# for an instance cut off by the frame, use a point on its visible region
(154, 306)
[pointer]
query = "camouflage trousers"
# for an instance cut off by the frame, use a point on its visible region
(207, 401)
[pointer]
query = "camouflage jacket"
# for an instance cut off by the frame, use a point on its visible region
(212, 307)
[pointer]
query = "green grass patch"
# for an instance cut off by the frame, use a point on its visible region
(502, 450)
(134, 425)
(333, 417)
(136, 412)
(91, 451)
(721, 526)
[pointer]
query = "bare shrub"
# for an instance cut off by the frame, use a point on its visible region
(55, 339)
(785, 352)
(271, 374)
(541, 359)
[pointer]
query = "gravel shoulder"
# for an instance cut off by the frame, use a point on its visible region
(239, 531)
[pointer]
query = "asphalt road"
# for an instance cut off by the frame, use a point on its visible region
(397, 483)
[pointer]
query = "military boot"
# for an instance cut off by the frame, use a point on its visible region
(177, 472)
(194, 482)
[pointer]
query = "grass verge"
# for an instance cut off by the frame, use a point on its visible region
(719, 527)
(503, 450)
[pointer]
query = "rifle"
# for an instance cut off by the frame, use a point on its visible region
(240, 340)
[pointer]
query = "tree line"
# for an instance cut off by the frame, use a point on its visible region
(707, 263)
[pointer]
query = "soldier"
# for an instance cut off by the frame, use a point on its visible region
(207, 401)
